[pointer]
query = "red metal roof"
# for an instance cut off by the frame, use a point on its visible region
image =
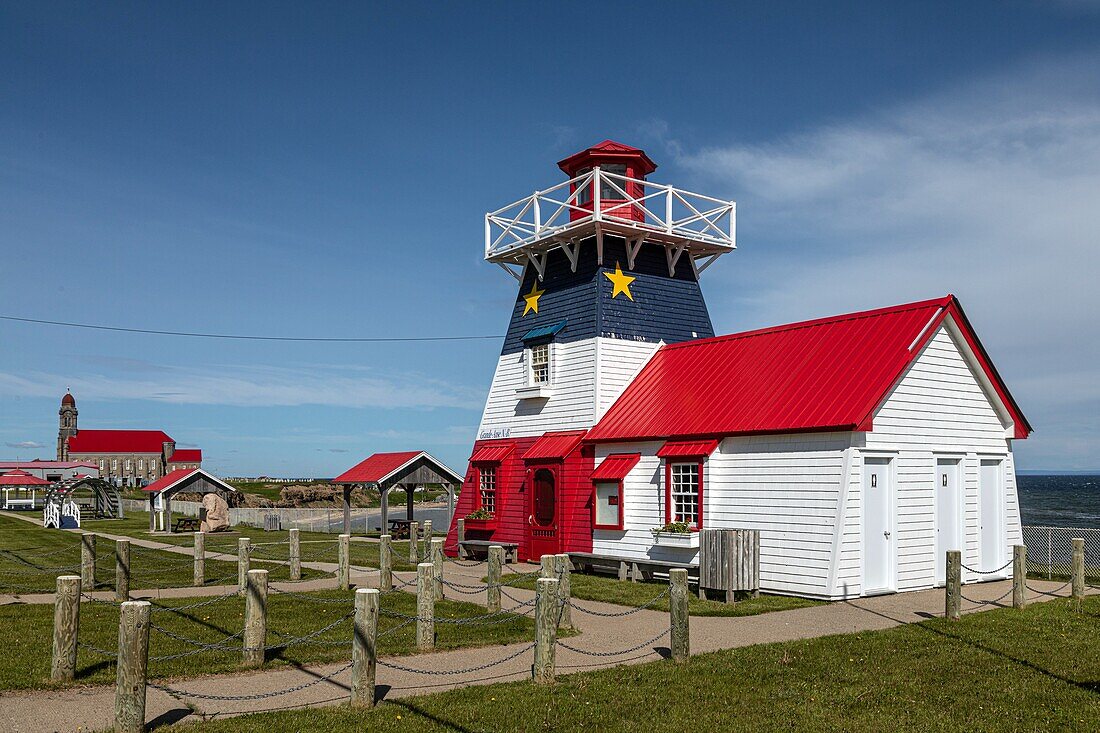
(687, 448)
(492, 453)
(376, 467)
(826, 374)
(553, 446)
(21, 478)
(616, 466)
(607, 149)
(119, 441)
(186, 455)
(170, 479)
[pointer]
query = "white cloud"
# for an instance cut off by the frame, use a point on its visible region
(251, 386)
(989, 190)
(25, 444)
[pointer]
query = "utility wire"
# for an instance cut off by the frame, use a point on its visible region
(247, 337)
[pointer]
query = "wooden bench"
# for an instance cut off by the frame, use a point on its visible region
(511, 549)
(628, 567)
(185, 524)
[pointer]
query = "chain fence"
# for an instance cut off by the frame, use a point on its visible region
(1050, 551)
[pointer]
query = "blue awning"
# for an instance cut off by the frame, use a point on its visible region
(543, 332)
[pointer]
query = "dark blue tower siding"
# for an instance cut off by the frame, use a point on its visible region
(664, 308)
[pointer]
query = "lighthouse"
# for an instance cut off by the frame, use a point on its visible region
(607, 265)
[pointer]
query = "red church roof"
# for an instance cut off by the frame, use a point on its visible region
(376, 467)
(118, 441)
(826, 374)
(186, 455)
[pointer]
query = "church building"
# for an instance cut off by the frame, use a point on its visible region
(127, 457)
(862, 446)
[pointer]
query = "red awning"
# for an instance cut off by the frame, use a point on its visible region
(687, 448)
(554, 446)
(616, 466)
(492, 453)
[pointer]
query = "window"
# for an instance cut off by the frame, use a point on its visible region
(685, 493)
(152, 464)
(487, 488)
(607, 187)
(608, 505)
(141, 464)
(114, 464)
(540, 364)
(585, 195)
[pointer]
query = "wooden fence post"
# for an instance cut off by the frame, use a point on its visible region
(953, 586)
(546, 566)
(678, 613)
(492, 590)
(414, 541)
(565, 615)
(426, 535)
(200, 559)
(295, 554)
(244, 552)
(133, 664)
(364, 648)
(385, 562)
(460, 537)
(66, 628)
(1019, 576)
(122, 570)
(437, 564)
(1078, 575)
(255, 618)
(343, 567)
(425, 606)
(546, 629)
(87, 561)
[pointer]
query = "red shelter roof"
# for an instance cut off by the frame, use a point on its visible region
(119, 441)
(376, 468)
(21, 478)
(170, 479)
(826, 374)
(186, 455)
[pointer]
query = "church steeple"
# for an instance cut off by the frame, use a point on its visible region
(66, 425)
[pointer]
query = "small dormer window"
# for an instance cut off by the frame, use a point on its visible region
(540, 364)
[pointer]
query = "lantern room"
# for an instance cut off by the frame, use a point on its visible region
(622, 170)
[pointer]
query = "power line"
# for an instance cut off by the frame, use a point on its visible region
(247, 337)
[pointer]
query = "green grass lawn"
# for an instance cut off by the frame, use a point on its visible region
(1005, 670)
(31, 558)
(625, 593)
(28, 629)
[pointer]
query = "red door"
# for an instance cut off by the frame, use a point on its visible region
(542, 520)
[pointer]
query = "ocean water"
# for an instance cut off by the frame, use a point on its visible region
(1060, 501)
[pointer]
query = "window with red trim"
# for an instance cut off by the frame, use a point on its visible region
(607, 505)
(684, 492)
(487, 488)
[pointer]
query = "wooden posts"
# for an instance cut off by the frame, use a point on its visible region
(1077, 577)
(200, 559)
(385, 563)
(460, 537)
(546, 629)
(546, 567)
(492, 590)
(122, 570)
(244, 551)
(426, 535)
(561, 567)
(364, 649)
(425, 606)
(66, 627)
(255, 618)
(953, 587)
(678, 613)
(295, 554)
(436, 556)
(1019, 576)
(343, 562)
(133, 663)
(414, 541)
(87, 560)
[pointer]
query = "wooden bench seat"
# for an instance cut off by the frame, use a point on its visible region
(511, 549)
(628, 567)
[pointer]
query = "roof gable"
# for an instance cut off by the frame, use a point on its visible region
(379, 467)
(186, 476)
(825, 374)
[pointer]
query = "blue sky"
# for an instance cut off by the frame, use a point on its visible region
(322, 170)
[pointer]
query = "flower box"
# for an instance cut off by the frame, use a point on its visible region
(481, 525)
(685, 540)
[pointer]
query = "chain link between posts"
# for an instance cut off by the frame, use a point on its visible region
(619, 653)
(255, 696)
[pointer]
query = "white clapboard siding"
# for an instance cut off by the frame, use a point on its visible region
(938, 409)
(619, 361)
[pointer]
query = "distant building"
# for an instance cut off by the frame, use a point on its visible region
(53, 471)
(127, 457)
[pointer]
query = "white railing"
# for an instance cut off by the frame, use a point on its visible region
(660, 212)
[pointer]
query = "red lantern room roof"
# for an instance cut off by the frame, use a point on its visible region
(606, 152)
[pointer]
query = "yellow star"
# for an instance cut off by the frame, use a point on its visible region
(532, 299)
(620, 281)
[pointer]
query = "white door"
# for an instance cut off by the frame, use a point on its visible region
(878, 544)
(948, 513)
(992, 526)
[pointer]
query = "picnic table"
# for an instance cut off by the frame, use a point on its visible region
(185, 524)
(399, 528)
